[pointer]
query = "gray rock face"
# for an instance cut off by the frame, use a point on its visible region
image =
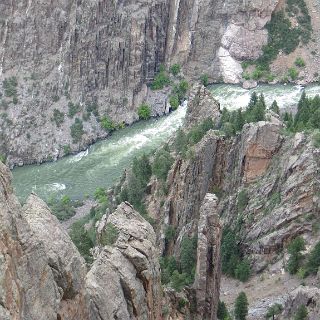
(67, 265)
(104, 53)
(207, 280)
(124, 281)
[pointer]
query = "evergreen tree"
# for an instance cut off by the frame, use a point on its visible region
(275, 108)
(222, 313)
(313, 263)
(241, 307)
(294, 249)
(302, 313)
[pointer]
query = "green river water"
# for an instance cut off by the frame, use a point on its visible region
(103, 163)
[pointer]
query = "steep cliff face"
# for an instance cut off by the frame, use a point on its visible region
(43, 276)
(99, 55)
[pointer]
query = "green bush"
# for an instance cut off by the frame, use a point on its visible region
(295, 260)
(302, 313)
(241, 307)
(313, 262)
(293, 73)
(101, 196)
(10, 87)
(204, 80)
(63, 208)
(77, 130)
(73, 109)
(66, 149)
(161, 80)
(274, 310)
(174, 102)
(144, 112)
(109, 235)
(242, 271)
(300, 62)
(162, 164)
(222, 312)
(242, 201)
(92, 108)
(316, 138)
(275, 108)
(170, 233)
(58, 117)
(175, 69)
(2, 158)
(107, 124)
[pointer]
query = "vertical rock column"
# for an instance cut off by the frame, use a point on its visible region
(208, 272)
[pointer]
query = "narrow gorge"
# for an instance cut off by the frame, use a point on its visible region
(159, 160)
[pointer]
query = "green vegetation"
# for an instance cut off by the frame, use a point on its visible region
(175, 69)
(307, 116)
(313, 262)
(73, 109)
(174, 102)
(170, 233)
(283, 36)
(241, 307)
(302, 313)
(2, 158)
(222, 312)
(242, 201)
(274, 310)
(162, 164)
(293, 73)
(83, 238)
(204, 80)
(300, 62)
(295, 259)
(316, 139)
(64, 208)
(180, 274)
(107, 124)
(58, 117)
(66, 149)
(161, 80)
(138, 180)
(232, 260)
(109, 235)
(77, 130)
(101, 196)
(233, 121)
(10, 87)
(144, 112)
(92, 108)
(275, 108)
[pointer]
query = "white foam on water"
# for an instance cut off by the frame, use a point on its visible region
(79, 156)
(55, 187)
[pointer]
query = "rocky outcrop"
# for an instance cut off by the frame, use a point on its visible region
(43, 276)
(124, 281)
(89, 53)
(208, 272)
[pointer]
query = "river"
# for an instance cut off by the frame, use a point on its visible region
(103, 163)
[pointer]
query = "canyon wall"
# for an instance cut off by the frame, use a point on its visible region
(100, 55)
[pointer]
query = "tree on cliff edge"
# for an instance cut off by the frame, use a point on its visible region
(241, 307)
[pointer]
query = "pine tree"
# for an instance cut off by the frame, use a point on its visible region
(241, 307)
(274, 107)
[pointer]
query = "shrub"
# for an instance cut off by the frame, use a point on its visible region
(101, 196)
(295, 259)
(181, 304)
(58, 117)
(293, 73)
(313, 262)
(275, 108)
(204, 80)
(300, 62)
(243, 200)
(161, 80)
(175, 69)
(302, 313)
(174, 102)
(63, 208)
(107, 124)
(77, 130)
(170, 233)
(109, 235)
(66, 149)
(10, 87)
(316, 139)
(188, 257)
(242, 271)
(144, 112)
(162, 164)
(274, 310)
(241, 307)
(73, 109)
(2, 158)
(222, 312)
(92, 108)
